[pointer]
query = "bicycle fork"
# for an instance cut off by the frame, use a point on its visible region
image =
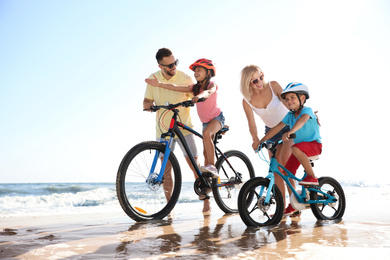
(271, 177)
(157, 179)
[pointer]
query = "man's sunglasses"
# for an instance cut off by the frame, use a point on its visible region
(171, 65)
(255, 81)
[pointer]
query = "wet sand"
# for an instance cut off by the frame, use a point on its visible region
(190, 235)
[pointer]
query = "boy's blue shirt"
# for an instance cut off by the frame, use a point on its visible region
(310, 131)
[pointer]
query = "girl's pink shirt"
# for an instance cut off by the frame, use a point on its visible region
(208, 109)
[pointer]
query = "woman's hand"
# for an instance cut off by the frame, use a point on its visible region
(256, 144)
(318, 120)
(154, 82)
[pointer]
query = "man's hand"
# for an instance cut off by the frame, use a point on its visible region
(147, 104)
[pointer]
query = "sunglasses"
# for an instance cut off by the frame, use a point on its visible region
(171, 65)
(255, 81)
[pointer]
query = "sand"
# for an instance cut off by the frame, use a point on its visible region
(191, 235)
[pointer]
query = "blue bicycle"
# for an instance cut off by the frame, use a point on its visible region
(149, 177)
(260, 202)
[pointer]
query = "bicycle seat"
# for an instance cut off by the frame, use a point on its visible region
(219, 134)
(314, 158)
(223, 130)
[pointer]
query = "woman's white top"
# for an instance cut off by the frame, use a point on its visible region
(274, 113)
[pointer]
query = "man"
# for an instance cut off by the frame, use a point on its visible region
(158, 96)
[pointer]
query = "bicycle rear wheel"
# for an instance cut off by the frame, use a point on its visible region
(140, 197)
(234, 170)
(328, 211)
(252, 207)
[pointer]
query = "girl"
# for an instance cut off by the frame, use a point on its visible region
(209, 112)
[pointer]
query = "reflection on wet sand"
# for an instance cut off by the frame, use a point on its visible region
(222, 238)
(210, 237)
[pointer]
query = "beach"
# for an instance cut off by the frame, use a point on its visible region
(108, 233)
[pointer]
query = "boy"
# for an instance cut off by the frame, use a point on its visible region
(304, 124)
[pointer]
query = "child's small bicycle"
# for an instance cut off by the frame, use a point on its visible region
(149, 177)
(260, 202)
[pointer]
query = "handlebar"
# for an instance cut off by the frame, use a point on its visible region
(272, 145)
(187, 103)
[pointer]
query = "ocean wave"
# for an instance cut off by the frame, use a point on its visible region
(4, 192)
(92, 198)
(21, 199)
(37, 189)
(362, 184)
(65, 189)
(36, 199)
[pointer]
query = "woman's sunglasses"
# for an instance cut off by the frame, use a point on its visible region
(255, 81)
(170, 66)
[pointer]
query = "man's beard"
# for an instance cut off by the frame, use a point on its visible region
(170, 73)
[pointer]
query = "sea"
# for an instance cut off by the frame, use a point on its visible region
(35, 199)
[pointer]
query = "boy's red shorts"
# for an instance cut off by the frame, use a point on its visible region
(308, 148)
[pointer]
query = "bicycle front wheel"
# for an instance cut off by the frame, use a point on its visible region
(234, 169)
(141, 197)
(252, 205)
(328, 211)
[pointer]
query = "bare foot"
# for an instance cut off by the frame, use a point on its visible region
(206, 207)
(171, 215)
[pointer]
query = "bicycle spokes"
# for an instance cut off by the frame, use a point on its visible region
(254, 207)
(234, 169)
(330, 200)
(145, 194)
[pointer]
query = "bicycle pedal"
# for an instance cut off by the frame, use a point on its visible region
(296, 214)
(204, 197)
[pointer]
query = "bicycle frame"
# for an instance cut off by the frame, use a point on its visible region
(274, 168)
(172, 131)
(148, 189)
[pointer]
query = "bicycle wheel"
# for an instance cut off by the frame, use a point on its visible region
(252, 207)
(140, 197)
(328, 211)
(234, 170)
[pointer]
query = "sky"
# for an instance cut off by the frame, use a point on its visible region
(72, 78)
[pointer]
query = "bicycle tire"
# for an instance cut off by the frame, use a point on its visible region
(330, 211)
(142, 200)
(226, 196)
(253, 212)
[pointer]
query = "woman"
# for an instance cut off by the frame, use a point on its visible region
(263, 98)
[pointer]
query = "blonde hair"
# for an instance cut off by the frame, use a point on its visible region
(246, 76)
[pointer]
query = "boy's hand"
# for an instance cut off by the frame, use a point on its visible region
(286, 136)
(154, 82)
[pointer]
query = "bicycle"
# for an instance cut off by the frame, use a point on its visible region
(260, 202)
(146, 191)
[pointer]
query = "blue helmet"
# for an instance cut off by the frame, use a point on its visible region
(295, 87)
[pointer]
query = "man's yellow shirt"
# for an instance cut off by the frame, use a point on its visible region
(160, 96)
